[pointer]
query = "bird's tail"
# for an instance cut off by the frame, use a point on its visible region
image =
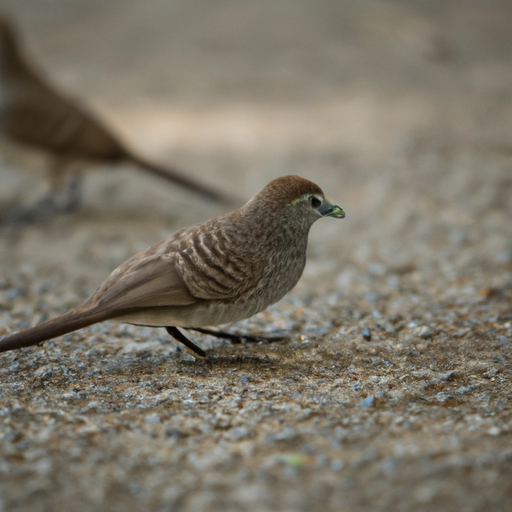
(184, 181)
(69, 322)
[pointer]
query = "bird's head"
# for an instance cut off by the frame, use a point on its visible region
(296, 198)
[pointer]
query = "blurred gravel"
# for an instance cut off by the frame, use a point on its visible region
(393, 391)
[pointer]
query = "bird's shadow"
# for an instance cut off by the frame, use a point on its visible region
(236, 359)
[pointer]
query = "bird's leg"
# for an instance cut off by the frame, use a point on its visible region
(66, 193)
(58, 199)
(192, 347)
(239, 338)
(74, 194)
(46, 206)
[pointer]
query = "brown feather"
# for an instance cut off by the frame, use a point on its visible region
(153, 281)
(70, 321)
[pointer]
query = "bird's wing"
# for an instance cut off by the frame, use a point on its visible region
(211, 269)
(187, 267)
(36, 114)
(33, 112)
(143, 282)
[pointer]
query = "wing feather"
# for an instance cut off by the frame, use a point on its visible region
(150, 281)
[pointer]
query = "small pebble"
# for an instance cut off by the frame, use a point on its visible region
(337, 464)
(367, 402)
(152, 418)
(367, 334)
(389, 328)
(424, 332)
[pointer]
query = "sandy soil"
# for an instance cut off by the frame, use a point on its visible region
(402, 112)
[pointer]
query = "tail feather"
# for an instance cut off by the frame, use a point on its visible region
(69, 322)
(183, 181)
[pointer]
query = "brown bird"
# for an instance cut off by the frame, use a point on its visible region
(217, 272)
(33, 113)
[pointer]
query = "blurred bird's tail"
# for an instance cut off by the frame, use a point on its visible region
(69, 322)
(180, 179)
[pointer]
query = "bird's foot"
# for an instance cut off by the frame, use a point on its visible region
(44, 209)
(73, 197)
(198, 352)
(41, 210)
(239, 338)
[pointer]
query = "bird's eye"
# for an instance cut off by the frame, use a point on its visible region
(316, 201)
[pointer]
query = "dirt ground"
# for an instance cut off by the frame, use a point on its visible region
(393, 392)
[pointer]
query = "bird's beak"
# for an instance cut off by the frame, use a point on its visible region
(332, 210)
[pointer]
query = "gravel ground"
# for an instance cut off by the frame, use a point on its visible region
(392, 392)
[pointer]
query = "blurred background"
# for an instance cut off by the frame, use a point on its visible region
(400, 110)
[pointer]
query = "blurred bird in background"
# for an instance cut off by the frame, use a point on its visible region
(33, 113)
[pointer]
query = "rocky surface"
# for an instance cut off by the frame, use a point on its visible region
(393, 390)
